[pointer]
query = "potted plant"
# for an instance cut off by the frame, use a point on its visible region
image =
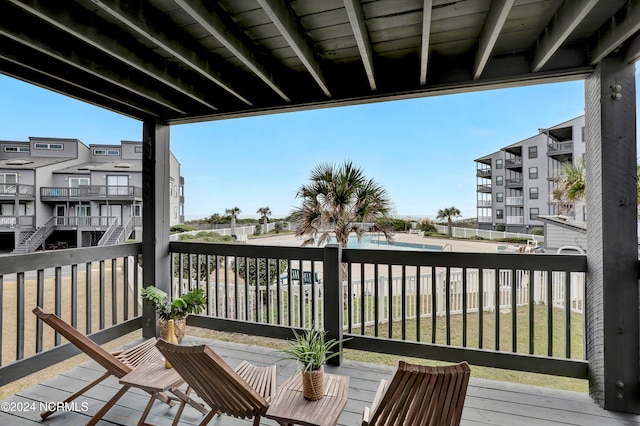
(177, 309)
(311, 350)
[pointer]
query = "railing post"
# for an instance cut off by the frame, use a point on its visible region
(333, 300)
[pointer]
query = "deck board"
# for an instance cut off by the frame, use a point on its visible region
(488, 402)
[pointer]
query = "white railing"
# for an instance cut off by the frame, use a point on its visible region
(515, 201)
(484, 203)
(487, 234)
(515, 220)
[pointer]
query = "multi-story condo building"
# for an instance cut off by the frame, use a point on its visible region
(514, 185)
(58, 193)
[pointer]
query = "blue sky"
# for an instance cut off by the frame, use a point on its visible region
(421, 151)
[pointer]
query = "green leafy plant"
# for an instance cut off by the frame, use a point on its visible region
(192, 302)
(310, 349)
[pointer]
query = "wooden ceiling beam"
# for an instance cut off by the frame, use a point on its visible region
(613, 34)
(492, 27)
(566, 19)
(285, 19)
(149, 23)
(356, 18)
(424, 44)
(85, 27)
(36, 36)
(211, 17)
(632, 54)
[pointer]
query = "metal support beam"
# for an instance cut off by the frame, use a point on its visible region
(155, 27)
(616, 31)
(424, 46)
(612, 319)
(632, 54)
(287, 23)
(356, 17)
(155, 214)
(566, 19)
(492, 27)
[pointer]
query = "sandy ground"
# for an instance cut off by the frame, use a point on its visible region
(468, 246)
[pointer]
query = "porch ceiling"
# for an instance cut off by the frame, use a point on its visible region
(196, 60)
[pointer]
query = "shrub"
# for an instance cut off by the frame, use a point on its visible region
(500, 227)
(536, 231)
(208, 237)
(176, 229)
(426, 226)
(257, 230)
(278, 227)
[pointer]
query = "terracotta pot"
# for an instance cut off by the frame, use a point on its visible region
(180, 326)
(313, 384)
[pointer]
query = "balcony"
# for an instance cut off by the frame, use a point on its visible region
(513, 183)
(515, 220)
(485, 219)
(16, 190)
(17, 221)
(82, 222)
(484, 188)
(90, 193)
(514, 201)
(560, 151)
(484, 203)
(486, 173)
(513, 163)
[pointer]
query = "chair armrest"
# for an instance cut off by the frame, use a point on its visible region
(366, 416)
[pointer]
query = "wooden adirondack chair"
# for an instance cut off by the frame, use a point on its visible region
(117, 363)
(420, 395)
(243, 393)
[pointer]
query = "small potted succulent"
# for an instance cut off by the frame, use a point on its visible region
(312, 351)
(177, 309)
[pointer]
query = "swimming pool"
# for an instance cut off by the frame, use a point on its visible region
(378, 242)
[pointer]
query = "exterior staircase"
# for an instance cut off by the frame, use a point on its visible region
(113, 239)
(36, 239)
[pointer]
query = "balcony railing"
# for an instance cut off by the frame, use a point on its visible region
(440, 305)
(558, 148)
(16, 221)
(91, 192)
(484, 172)
(510, 163)
(92, 288)
(398, 302)
(484, 188)
(514, 201)
(484, 203)
(19, 190)
(513, 183)
(515, 220)
(485, 219)
(83, 221)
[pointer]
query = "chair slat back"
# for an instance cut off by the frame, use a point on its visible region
(82, 342)
(214, 380)
(423, 396)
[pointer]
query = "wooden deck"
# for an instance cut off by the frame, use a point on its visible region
(488, 402)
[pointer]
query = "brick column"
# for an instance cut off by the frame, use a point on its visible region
(612, 319)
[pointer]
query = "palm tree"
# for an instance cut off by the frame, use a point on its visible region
(449, 214)
(570, 186)
(336, 202)
(264, 212)
(233, 212)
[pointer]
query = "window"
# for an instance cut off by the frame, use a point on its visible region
(175, 191)
(499, 164)
(137, 210)
(533, 152)
(118, 185)
(17, 149)
(533, 173)
(533, 193)
(584, 137)
(175, 212)
(56, 146)
(499, 197)
(84, 211)
(74, 183)
(533, 213)
(137, 149)
(8, 183)
(499, 180)
(499, 214)
(106, 152)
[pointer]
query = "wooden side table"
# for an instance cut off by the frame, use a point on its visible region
(290, 407)
(154, 378)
